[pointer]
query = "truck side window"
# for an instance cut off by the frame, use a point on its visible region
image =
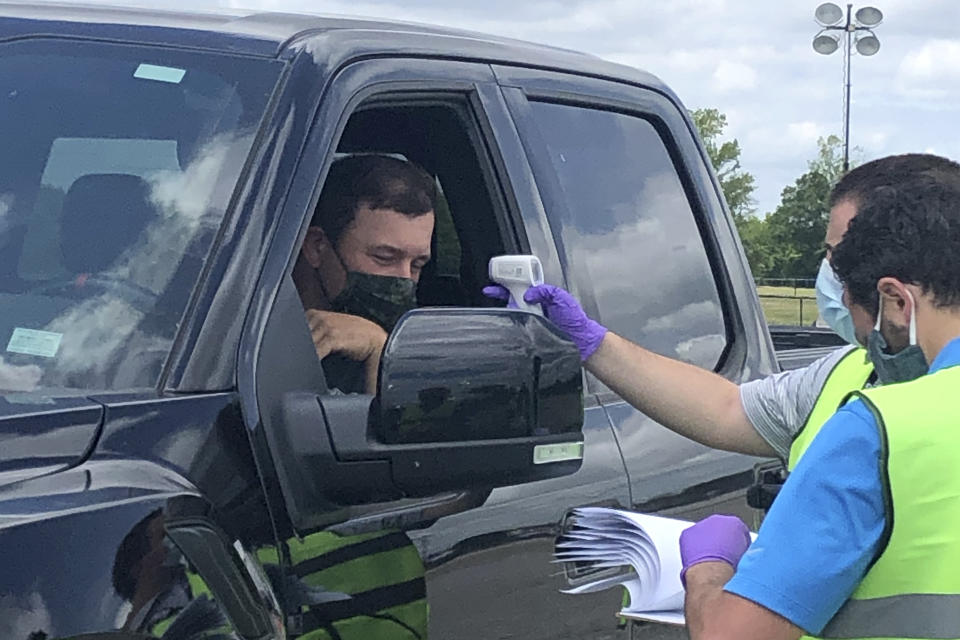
(634, 253)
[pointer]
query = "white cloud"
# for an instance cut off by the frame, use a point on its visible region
(703, 48)
(6, 207)
(701, 348)
(804, 133)
(734, 76)
(93, 331)
(21, 616)
(685, 315)
(15, 377)
(737, 125)
(933, 69)
(875, 140)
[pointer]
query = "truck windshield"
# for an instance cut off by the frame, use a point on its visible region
(116, 167)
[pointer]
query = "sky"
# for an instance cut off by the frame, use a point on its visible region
(751, 59)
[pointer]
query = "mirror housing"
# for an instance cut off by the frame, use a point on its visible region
(468, 399)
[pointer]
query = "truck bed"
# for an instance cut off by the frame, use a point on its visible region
(796, 347)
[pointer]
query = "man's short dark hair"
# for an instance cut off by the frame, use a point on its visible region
(908, 229)
(885, 171)
(376, 182)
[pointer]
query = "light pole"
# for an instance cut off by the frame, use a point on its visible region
(831, 18)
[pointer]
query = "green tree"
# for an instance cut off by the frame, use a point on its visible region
(758, 245)
(737, 185)
(829, 159)
(797, 226)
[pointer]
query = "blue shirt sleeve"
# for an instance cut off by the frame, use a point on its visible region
(824, 528)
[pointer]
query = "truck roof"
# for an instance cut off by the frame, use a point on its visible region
(270, 33)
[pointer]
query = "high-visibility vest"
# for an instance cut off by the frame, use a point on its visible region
(216, 623)
(912, 589)
(383, 573)
(851, 373)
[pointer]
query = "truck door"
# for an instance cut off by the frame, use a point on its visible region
(641, 231)
(487, 568)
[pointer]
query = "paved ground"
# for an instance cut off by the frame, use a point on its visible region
(513, 587)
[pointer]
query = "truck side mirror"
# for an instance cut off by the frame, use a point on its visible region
(468, 399)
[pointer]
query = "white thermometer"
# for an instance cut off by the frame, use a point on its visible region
(517, 274)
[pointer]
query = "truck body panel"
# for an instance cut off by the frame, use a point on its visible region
(124, 505)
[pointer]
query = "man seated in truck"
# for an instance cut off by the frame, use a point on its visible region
(356, 274)
(360, 262)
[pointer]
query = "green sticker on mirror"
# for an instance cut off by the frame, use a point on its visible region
(557, 452)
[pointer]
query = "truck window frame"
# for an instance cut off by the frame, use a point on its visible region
(670, 124)
(467, 110)
(264, 377)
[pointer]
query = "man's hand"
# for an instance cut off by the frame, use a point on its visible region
(710, 551)
(352, 336)
(563, 310)
(716, 538)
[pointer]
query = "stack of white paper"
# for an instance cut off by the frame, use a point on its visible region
(650, 545)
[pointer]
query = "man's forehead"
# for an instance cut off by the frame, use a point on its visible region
(392, 230)
(840, 216)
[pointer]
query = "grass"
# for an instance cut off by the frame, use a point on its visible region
(787, 310)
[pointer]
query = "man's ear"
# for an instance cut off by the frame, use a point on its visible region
(315, 245)
(896, 300)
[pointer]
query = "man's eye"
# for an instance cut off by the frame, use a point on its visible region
(383, 259)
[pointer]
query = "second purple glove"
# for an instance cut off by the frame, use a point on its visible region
(717, 538)
(563, 310)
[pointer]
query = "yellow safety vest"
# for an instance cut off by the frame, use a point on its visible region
(383, 573)
(197, 589)
(912, 590)
(851, 373)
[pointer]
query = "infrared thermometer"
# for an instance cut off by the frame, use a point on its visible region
(517, 274)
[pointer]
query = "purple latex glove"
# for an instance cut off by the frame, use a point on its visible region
(497, 292)
(723, 538)
(563, 310)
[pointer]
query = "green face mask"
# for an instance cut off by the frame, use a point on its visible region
(380, 299)
(907, 364)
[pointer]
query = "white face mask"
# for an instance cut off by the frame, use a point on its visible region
(830, 304)
(903, 366)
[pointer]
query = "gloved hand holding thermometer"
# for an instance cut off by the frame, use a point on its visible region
(520, 281)
(516, 274)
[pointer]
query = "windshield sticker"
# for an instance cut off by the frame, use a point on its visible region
(160, 74)
(34, 343)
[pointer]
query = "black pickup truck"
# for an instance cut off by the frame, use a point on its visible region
(166, 433)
